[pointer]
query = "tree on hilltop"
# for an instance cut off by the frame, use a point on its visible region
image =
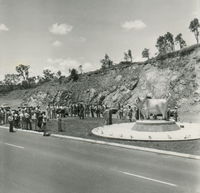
(180, 41)
(32, 81)
(169, 39)
(194, 25)
(145, 53)
(23, 71)
(106, 62)
(59, 76)
(11, 79)
(59, 73)
(74, 75)
(126, 57)
(165, 43)
(130, 55)
(80, 68)
(48, 75)
(161, 45)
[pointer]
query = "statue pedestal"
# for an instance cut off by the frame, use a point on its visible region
(155, 126)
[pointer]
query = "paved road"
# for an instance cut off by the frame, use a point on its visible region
(31, 163)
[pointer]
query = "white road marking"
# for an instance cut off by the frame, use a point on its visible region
(146, 178)
(12, 145)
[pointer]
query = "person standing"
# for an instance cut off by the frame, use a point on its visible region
(92, 110)
(121, 112)
(168, 114)
(53, 112)
(48, 111)
(34, 121)
(39, 121)
(10, 121)
(81, 111)
(28, 121)
(59, 123)
(44, 123)
(15, 119)
(130, 113)
(107, 115)
(176, 114)
(98, 111)
(22, 119)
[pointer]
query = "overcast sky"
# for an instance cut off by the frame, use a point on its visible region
(61, 34)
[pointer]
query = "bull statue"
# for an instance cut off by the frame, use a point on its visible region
(148, 106)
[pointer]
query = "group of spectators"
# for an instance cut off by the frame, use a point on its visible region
(33, 118)
(29, 118)
(134, 113)
(80, 110)
(125, 112)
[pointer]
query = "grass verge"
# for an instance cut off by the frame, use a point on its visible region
(75, 127)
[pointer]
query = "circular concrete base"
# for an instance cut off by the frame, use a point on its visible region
(155, 126)
(186, 131)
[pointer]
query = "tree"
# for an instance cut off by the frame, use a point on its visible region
(169, 40)
(145, 53)
(130, 55)
(161, 45)
(194, 25)
(126, 57)
(48, 75)
(106, 62)
(39, 79)
(31, 81)
(59, 74)
(180, 41)
(74, 75)
(80, 69)
(11, 79)
(165, 43)
(23, 71)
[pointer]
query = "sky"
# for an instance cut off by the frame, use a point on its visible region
(62, 34)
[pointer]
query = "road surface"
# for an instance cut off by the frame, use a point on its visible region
(31, 163)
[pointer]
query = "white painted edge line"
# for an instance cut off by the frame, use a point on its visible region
(13, 145)
(147, 178)
(171, 153)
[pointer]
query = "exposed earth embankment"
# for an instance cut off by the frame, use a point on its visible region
(177, 73)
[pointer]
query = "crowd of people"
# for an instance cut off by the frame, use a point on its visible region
(33, 118)
(80, 110)
(134, 113)
(29, 118)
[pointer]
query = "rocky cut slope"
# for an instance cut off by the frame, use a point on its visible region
(177, 73)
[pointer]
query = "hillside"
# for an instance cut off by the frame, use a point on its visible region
(177, 73)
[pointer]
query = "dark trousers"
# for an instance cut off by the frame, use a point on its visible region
(92, 114)
(60, 124)
(11, 126)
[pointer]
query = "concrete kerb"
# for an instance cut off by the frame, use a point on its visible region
(22, 130)
(164, 152)
(183, 155)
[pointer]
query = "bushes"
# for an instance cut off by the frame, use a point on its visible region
(74, 75)
(182, 52)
